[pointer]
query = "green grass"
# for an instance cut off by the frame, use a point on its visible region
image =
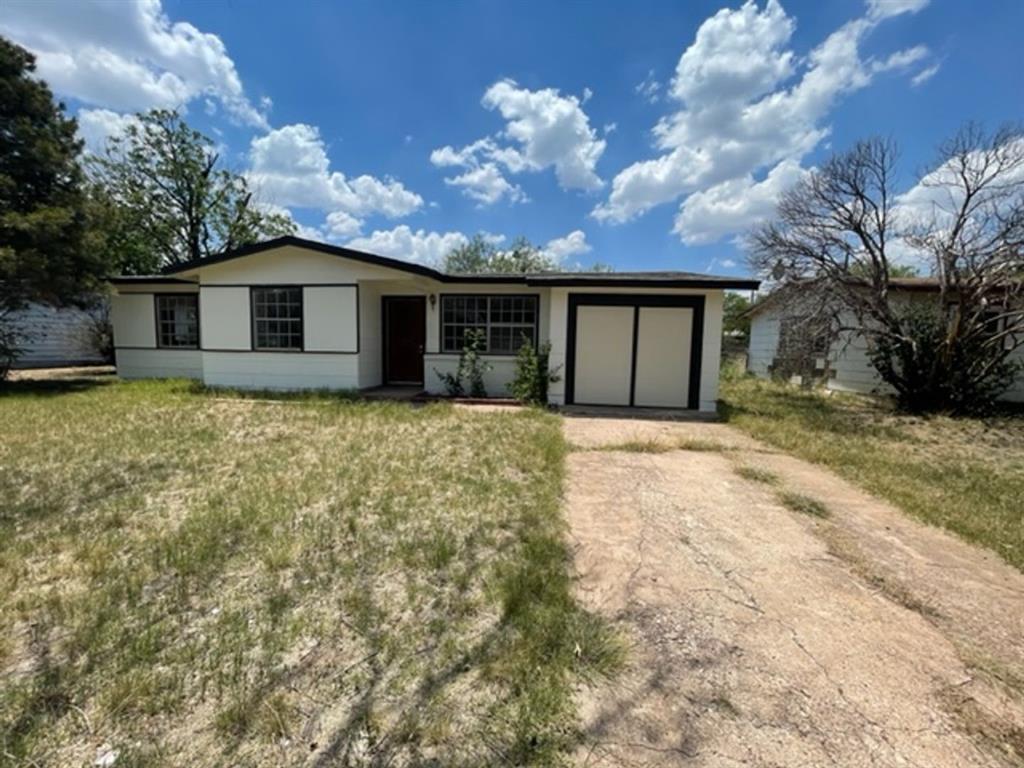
(805, 505)
(965, 475)
(757, 474)
(203, 580)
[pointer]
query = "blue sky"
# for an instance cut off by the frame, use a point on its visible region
(647, 136)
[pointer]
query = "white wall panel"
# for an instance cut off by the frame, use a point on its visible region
(330, 318)
(225, 318)
(133, 319)
(664, 336)
(604, 355)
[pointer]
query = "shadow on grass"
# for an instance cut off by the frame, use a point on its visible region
(54, 387)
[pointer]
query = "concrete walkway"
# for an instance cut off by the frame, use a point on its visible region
(761, 636)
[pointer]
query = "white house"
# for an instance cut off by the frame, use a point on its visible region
(297, 314)
(844, 364)
(49, 337)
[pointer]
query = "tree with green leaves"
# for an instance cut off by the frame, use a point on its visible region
(43, 227)
(735, 320)
(161, 196)
(481, 255)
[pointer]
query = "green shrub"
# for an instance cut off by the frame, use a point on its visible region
(470, 368)
(533, 375)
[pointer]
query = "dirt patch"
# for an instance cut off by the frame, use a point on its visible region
(760, 635)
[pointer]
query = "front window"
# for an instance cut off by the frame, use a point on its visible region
(507, 322)
(177, 317)
(277, 318)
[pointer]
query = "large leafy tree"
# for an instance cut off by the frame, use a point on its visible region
(481, 255)
(43, 224)
(161, 196)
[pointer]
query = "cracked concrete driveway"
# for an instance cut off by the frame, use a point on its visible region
(760, 636)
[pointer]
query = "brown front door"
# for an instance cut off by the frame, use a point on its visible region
(405, 333)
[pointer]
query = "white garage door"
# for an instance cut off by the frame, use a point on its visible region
(663, 357)
(609, 371)
(604, 355)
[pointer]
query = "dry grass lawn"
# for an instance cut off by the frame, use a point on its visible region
(965, 475)
(193, 579)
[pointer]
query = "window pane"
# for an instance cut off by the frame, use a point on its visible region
(277, 318)
(504, 321)
(177, 321)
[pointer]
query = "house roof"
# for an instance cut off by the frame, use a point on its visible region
(619, 279)
(912, 284)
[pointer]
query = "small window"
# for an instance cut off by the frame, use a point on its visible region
(507, 322)
(177, 318)
(277, 318)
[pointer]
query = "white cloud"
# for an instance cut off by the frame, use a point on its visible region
(127, 56)
(737, 116)
(924, 75)
(561, 248)
(486, 184)
(289, 167)
(649, 88)
(339, 225)
(881, 9)
(417, 246)
(902, 59)
(733, 205)
(97, 126)
(543, 130)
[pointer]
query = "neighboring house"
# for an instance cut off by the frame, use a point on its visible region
(841, 362)
(297, 314)
(50, 337)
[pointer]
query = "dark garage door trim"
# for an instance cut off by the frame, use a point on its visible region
(696, 303)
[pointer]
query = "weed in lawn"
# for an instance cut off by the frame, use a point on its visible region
(757, 474)
(212, 577)
(966, 475)
(805, 505)
(696, 444)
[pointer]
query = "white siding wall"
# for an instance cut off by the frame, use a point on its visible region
(224, 318)
(134, 321)
(330, 318)
(1016, 392)
(280, 370)
(848, 359)
(51, 336)
(764, 342)
(159, 363)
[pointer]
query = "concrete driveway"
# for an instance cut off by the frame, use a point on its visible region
(762, 636)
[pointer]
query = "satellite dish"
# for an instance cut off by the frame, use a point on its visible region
(778, 271)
